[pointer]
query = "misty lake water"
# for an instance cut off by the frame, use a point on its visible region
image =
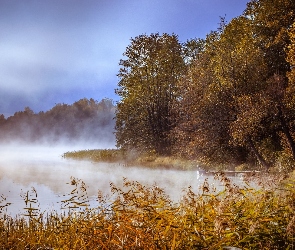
(44, 168)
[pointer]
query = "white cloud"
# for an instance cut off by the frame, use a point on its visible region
(53, 46)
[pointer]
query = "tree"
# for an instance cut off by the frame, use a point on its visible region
(272, 19)
(291, 60)
(192, 49)
(86, 120)
(288, 116)
(202, 130)
(241, 72)
(147, 87)
(229, 68)
(247, 60)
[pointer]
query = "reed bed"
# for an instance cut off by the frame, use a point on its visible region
(149, 159)
(135, 216)
(97, 155)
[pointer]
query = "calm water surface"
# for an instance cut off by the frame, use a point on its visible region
(43, 168)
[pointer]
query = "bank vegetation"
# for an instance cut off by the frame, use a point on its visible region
(135, 216)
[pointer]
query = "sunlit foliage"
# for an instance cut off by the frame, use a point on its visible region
(233, 104)
(271, 22)
(229, 68)
(147, 87)
(291, 55)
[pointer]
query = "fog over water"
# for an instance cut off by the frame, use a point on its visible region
(43, 167)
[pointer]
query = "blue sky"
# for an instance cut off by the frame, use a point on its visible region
(59, 51)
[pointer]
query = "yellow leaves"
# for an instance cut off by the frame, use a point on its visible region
(291, 54)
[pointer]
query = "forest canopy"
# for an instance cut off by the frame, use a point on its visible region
(226, 99)
(85, 120)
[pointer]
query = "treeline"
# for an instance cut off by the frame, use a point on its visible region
(84, 120)
(226, 99)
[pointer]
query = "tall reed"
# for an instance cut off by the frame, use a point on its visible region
(135, 216)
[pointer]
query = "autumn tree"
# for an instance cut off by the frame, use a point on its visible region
(192, 49)
(148, 86)
(288, 113)
(241, 72)
(229, 66)
(233, 104)
(271, 21)
(291, 55)
(202, 131)
(199, 132)
(248, 83)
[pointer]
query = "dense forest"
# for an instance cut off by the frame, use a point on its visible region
(228, 99)
(85, 120)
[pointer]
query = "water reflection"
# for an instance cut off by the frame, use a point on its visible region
(43, 168)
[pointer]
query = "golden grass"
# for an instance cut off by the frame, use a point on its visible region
(149, 160)
(138, 217)
(97, 155)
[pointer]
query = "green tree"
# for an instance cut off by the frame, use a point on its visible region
(148, 86)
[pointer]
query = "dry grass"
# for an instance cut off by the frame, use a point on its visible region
(149, 160)
(97, 155)
(140, 217)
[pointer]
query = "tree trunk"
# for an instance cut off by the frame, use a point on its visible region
(257, 154)
(286, 130)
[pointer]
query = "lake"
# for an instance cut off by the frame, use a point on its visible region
(23, 167)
